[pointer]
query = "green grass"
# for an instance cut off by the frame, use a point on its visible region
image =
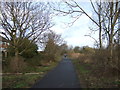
(26, 81)
(81, 68)
(116, 82)
(19, 81)
(90, 78)
(19, 85)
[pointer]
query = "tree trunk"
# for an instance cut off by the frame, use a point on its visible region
(100, 32)
(100, 27)
(110, 49)
(111, 33)
(17, 60)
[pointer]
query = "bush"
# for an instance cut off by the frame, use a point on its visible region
(36, 60)
(52, 51)
(87, 50)
(14, 64)
(29, 49)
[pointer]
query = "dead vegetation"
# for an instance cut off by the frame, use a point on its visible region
(96, 71)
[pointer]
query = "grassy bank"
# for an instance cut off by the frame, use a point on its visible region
(92, 76)
(26, 80)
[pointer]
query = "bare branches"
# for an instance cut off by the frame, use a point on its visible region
(107, 15)
(24, 20)
(93, 39)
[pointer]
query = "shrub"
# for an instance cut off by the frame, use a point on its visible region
(17, 64)
(36, 60)
(29, 49)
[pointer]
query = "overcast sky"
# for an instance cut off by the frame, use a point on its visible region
(75, 35)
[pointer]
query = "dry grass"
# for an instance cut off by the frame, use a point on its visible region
(17, 64)
(75, 55)
(94, 71)
(26, 80)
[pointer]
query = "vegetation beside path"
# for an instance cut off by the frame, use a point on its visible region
(26, 80)
(92, 76)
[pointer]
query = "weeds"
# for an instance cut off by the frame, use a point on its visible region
(26, 80)
(94, 73)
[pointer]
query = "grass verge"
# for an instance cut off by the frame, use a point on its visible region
(26, 80)
(91, 76)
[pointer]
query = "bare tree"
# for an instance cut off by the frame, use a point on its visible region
(106, 21)
(111, 13)
(75, 11)
(56, 38)
(21, 20)
(102, 11)
(52, 45)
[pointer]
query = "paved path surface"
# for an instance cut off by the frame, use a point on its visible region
(63, 76)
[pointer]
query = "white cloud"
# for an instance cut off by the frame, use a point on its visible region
(74, 35)
(58, 30)
(80, 41)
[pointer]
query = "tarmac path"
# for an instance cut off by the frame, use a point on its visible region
(62, 76)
